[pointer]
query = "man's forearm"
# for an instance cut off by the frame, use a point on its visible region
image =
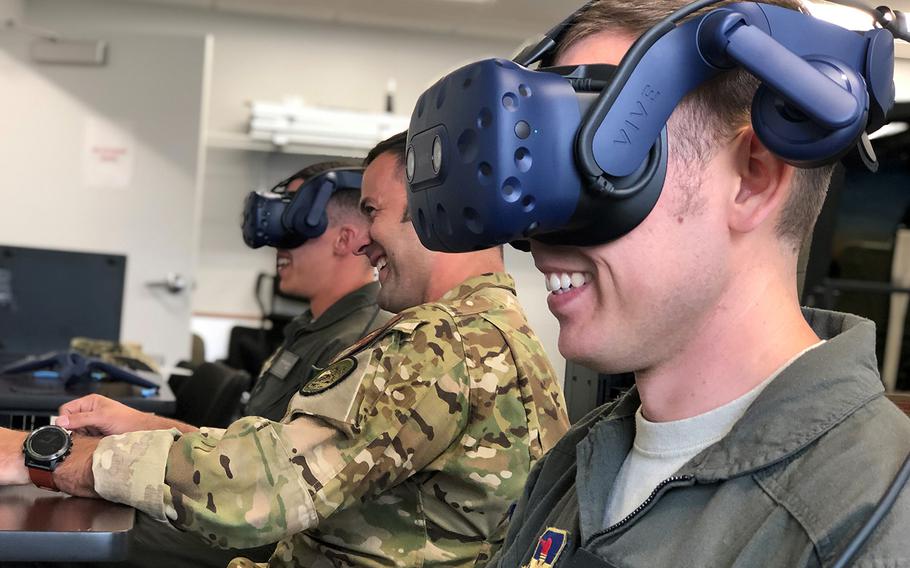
(161, 423)
(12, 463)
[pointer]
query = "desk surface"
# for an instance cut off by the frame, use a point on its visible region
(43, 526)
(24, 392)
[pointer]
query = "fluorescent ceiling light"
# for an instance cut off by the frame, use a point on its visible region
(889, 129)
(843, 16)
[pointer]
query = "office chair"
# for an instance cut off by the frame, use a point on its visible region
(249, 347)
(211, 396)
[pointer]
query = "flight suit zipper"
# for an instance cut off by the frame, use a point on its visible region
(662, 487)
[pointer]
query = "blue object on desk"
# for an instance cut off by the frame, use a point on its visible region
(71, 367)
(46, 375)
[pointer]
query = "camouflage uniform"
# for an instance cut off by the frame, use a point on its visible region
(309, 346)
(406, 451)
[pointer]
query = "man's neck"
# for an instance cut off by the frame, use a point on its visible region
(752, 332)
(340, 286)
(450, 270)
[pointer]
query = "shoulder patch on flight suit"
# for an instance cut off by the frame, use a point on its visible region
(549, 547)
(283, 365)
(329, 377)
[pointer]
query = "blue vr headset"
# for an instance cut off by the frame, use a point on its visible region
(499, 153)
(279, 219)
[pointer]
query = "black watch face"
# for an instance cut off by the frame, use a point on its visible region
(45, 442)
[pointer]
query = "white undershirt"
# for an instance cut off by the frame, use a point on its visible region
(661, 448)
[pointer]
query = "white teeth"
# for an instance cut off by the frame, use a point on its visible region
(282, 262)
(380, 264)
(553, 283)
(559, 282)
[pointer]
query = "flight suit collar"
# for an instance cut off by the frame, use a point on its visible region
(598, 459)
(810, 397)
(807, 399)
(356, 300)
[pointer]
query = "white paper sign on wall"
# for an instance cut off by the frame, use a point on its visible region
(107, 156)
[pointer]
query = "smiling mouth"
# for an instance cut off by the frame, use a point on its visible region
(381, 262)
(282, 263)
(562, 282)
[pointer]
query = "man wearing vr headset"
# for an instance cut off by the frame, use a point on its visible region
(340, 287)
(757, 433)
(407, 450)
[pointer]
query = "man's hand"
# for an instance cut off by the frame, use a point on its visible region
(12, 462)
(74, 474)
(95, 415)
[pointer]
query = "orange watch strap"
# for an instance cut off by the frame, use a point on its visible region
(42, 478)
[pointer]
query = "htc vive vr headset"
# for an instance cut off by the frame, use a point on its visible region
(497, 152)
(281, 219)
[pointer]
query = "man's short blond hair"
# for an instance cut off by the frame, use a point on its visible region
(711, 115)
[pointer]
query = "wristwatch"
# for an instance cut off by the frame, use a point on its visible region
(44, 449)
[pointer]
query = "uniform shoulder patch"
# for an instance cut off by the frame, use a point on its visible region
(329, 377)
(549, 547)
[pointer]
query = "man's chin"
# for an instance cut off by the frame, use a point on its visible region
(601, 362)
(387, 301)
(588, 348)
(396, 301)
(572, 346)
(288, 289)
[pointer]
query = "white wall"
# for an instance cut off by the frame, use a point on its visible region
(902, 75)
(10, 10)
(265, 58)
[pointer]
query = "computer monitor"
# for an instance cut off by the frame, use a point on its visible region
(47, 297)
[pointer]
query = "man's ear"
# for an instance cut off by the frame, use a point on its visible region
(765, 183)
(346, 241)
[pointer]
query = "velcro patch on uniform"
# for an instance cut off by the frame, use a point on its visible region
(549, 547)
(282, 366)
(329, 377)
(337, 404)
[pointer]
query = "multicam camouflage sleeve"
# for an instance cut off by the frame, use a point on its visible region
(366, 423)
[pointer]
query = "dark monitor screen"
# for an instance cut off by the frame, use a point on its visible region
(47, 297)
